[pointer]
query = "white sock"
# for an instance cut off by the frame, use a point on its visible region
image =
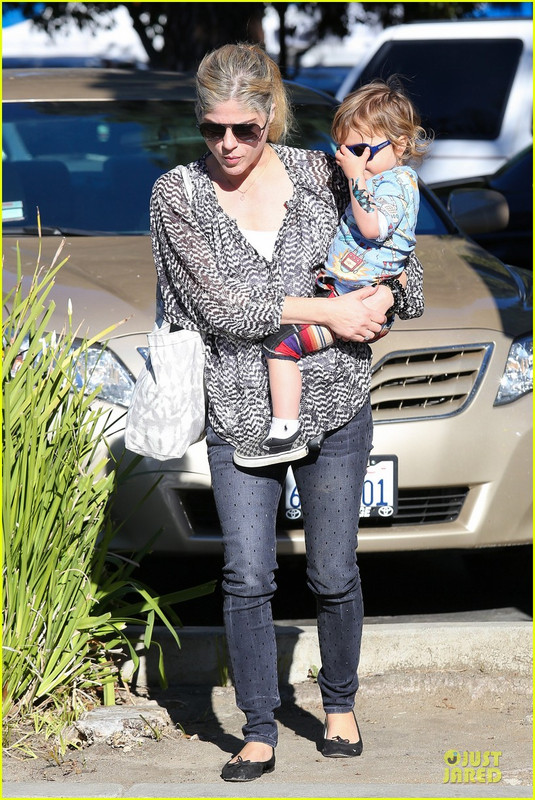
(283, 428)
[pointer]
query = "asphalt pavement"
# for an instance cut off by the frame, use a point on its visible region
(444, 708)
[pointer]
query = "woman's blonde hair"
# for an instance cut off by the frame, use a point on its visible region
(245, 73)
(383, 107)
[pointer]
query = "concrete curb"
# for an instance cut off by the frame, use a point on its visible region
(275, 790)
(491, 647)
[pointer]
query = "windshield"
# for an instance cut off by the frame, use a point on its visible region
(89, 166)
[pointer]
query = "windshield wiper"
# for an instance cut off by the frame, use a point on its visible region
(51, 230)
(48, 230)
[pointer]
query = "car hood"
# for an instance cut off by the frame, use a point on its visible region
(110, 279)
(466, 287)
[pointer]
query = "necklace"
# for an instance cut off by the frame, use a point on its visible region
(243, 192)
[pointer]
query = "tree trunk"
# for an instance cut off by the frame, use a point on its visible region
(281, 9)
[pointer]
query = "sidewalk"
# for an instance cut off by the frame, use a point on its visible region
(425, 690)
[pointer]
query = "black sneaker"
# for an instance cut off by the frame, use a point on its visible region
(273, 445)
(292, 450)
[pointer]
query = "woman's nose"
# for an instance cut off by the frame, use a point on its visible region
(229, 140)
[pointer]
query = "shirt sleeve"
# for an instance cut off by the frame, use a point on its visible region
(383, 226)
(197, 290)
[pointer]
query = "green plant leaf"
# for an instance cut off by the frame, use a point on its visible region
(66, 599)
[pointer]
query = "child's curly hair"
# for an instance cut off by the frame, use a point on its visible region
(383, 107)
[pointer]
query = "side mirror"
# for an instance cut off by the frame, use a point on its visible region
(479, 210)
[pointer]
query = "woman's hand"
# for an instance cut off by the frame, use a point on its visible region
(353, 316)
(348, 316)
(381, 301)
(383, 298)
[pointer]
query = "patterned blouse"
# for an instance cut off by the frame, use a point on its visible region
(212, 279)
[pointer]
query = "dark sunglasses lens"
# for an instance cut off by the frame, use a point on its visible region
(244, 133)
(210, 131)
(358, 149)
(247, 133)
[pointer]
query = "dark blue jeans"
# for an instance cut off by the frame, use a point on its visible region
(330, 487)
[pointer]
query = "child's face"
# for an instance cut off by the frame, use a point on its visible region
(374, 163)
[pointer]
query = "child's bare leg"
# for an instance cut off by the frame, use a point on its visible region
(285, 386)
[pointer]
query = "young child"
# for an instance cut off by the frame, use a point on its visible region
(379, 132)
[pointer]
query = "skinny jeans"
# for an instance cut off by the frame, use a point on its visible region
(330, 487)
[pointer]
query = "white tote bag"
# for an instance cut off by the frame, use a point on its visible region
(168, 409)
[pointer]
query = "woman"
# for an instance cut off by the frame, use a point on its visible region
(236, 262)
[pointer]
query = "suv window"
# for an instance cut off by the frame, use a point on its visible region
(459, 87)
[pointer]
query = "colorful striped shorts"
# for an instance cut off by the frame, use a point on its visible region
(295, 341)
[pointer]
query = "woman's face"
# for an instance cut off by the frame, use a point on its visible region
(236, 151)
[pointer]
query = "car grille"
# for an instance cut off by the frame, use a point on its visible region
(415, 507)
(433, 383)
(425, 506)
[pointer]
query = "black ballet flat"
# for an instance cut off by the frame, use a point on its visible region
(241, 770)
(341, 748)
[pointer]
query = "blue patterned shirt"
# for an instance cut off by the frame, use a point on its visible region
(355, 261)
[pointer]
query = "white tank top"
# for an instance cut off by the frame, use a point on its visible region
(262, 241)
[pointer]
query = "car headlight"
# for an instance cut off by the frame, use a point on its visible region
(99, 368)
(517, 378)
(96, 369)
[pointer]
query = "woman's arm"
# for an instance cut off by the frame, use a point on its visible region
(347, 316)
(383, 299)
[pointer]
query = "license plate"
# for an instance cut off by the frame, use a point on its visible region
(379, 492)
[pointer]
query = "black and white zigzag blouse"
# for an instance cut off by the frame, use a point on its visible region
(212, 279)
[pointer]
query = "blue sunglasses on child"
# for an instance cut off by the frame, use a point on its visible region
(358, 149)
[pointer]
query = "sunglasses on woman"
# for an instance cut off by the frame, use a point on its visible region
(358, 149)
(243, 132)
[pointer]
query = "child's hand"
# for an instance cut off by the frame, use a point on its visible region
(353, 166)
